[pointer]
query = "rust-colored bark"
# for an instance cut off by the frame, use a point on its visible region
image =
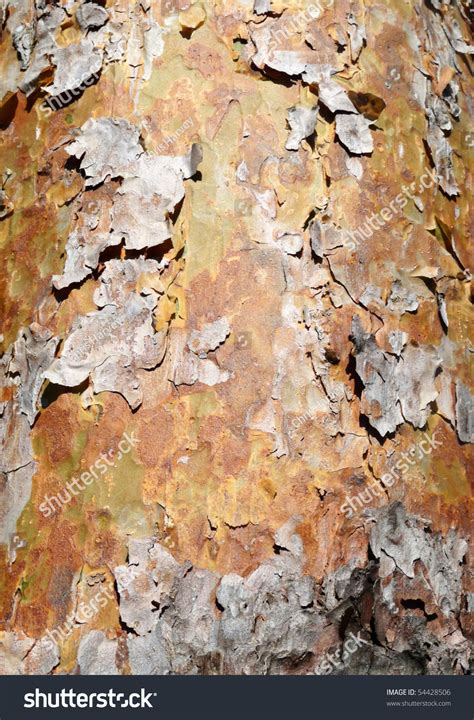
(236, 385)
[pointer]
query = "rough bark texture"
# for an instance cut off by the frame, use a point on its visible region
(235, 243)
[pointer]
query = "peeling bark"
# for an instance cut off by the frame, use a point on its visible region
(236, 408)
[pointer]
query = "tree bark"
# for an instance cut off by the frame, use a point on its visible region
(235, 411)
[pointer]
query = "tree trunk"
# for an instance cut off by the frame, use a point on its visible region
(235, 416)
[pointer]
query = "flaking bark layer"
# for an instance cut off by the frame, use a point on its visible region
(237, 241)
